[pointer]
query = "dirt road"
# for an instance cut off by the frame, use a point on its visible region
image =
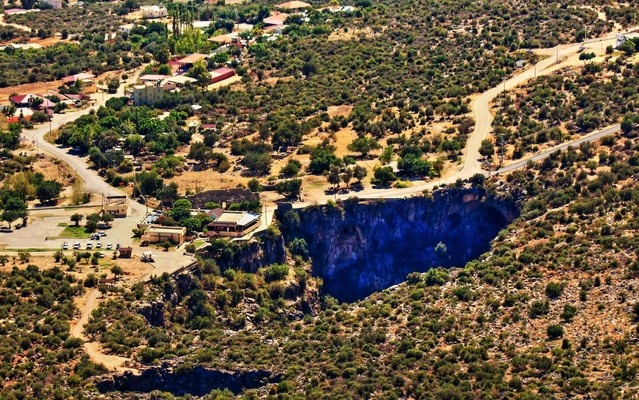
(17, 26)
(89, 302)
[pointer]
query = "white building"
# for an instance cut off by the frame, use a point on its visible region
(154, 11)
(146, 94)
(622, 37)
(126, 28)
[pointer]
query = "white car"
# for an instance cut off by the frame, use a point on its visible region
(98, 245)
(109, 246)
(76, 245)
(89, 245)
(65, 246)
(102, 233)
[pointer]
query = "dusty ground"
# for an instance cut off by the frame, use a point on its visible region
(34, 88)
(52, 169)
(350, 34)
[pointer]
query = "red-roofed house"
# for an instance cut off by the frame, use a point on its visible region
(221, 74)
(23, 100)
(46, 103)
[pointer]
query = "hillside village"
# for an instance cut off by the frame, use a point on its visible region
(323, 199)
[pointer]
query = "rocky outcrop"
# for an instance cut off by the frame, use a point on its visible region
(266, 249)
(361, 247)
(196, 381)
(153, 312)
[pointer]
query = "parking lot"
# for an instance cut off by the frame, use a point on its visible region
(44, 228)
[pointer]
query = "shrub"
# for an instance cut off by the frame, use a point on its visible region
(275, 272)
(538, 308)
(555, 331)
(554, 289)
(299, 247)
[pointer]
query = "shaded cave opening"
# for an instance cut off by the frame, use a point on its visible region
(365, 247)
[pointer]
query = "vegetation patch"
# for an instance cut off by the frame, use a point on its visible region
(73, 232)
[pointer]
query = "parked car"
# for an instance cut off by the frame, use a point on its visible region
(18, 225)
(144, 243)
(76, 245)
(6, 229)
(98, 245)
(109, 246)
(89, 245)
(65, 246)
(102, 233)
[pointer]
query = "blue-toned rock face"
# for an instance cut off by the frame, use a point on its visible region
(360, 248)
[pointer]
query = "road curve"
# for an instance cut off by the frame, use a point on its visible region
(554, 59)
(93, 183)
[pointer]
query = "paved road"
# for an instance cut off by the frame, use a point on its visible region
(574, 143)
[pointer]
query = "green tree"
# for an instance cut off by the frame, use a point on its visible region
(346, 176)
(555, 331)
(200, 72)
(181, 210)
(364, 145)
(586, 57)
(134, 144)
(487, 148)
(359, 172)
(48, 191)
(77, 218)
(387, 155)
(291, 169)
(106, 217)
(14, 208)
(333, 176)
(289, 188)
(383, 176)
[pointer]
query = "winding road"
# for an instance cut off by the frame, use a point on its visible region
(554, 59)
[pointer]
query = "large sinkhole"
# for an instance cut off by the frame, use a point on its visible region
(362, 247)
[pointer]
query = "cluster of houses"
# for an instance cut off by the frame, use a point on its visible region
(151, 87)
(26, 104)
(229, 224)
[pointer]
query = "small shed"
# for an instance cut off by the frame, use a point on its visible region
(125, 252)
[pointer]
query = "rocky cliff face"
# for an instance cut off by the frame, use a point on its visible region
(196, 381)
(358, 248)
(248, 256)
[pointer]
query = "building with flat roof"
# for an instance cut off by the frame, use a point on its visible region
(160, 234)
(234, 223)
(146, 94)
(118, 206)
(154, 11)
